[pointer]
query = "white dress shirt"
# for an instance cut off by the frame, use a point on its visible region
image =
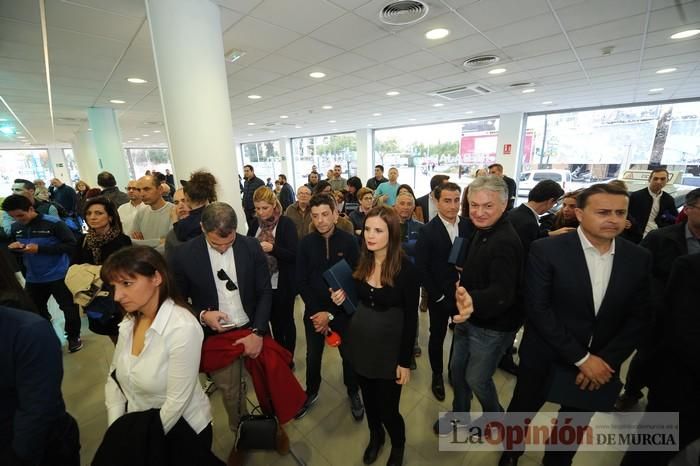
(229, 301)
(655, 206)
(599, 270)
(165, 375)
(452, 228)
(127, 214)
(432, 208)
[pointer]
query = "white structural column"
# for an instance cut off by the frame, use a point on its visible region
(189, 57)
(510, 136)
(108, 142)
(365, 169)
(288, 164)
(59, 166)
(86, 157)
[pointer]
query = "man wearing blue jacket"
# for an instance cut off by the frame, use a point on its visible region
(45, 244)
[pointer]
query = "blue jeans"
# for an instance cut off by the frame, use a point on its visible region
(475, 357)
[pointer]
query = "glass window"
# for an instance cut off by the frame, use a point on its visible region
(265, 158)
(140, 160)
(321, 153)
(455, 149)
(71, 165)
(599, 145)
(28, 164)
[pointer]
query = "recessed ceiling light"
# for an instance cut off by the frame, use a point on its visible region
(327, 107)
(369, 124)
(392, 93)
(251, 124)
(656, 89)
(89, 129)
(411, 119)
(145, 135)
(21, 137)
(117, 101)
(271, 131)
(666, 70)
(284, 117)
(298, 127)
(686, 34)
(377, 114)
(4, 119)
(468, 112)
(528, 91)
(254, 96)
(317, 75)
(137, 139)
(250, 134)
(438, 104)
(136, 80)
(547, 102)
(156, 131)
(334, 129)
(331, 121)
(438, 33)
(498, 71)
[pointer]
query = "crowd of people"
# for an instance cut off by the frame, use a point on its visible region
(183, 291)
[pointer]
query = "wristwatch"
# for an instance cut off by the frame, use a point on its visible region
(330, 316)
(258, 332)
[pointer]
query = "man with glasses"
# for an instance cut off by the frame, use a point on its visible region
(128, 211)
(666, 245)
(299, 211)
(226, 277)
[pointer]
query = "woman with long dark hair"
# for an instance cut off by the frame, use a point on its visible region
(156, 361)
(278, 238)
(104, 236)
(383, 329)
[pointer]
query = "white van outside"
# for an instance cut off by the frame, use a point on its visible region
(529, 179)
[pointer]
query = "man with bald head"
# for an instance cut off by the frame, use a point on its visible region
(151, 225)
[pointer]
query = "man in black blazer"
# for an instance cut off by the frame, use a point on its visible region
(424, 202)
(437, 275)
(666, 245)
(497, 169)
(651, 207)
(227, 280)
(586, 298)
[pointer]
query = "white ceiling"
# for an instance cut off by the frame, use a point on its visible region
(94, 45)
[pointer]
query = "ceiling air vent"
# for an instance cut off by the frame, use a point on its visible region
(463, 91)
(480, 61)
(523, 84)
(403, 12)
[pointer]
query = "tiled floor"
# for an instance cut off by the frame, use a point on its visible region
(327, 435)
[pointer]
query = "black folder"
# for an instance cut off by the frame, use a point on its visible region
(458, 252)
(340, 276)
(564, 391)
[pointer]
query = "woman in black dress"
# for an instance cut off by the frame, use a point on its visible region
(382, 330)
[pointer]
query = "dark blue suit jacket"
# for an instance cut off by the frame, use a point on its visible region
(195, 278)
(285, 250)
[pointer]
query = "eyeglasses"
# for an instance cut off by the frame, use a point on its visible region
(222, 275)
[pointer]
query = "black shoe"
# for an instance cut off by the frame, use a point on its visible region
(507, 364)
(310, 400)
(508, 460)
(75, 345)
(626, 401)
(372, 451)
(438, 387)
(356, 407)
(413, 366)
(395, 457)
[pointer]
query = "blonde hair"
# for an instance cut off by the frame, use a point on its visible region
(265, 194)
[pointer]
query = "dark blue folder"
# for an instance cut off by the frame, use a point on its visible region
(458, 252)
(340, 276)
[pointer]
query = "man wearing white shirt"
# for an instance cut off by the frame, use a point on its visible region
(587, 305)
(128, 211)
(651, 207)
(226, 277)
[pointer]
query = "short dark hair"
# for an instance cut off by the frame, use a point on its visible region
(437, 192)
(250, 167)
(437, 180)
(201, 187)
(284, 177)
(110, 208)
(381, 167)
(26, 183)
(355, 182)
(16, 202)
(219, 217)
(599, 188)
(322, 199)
(692, 197)
(320, 186)
(106, 180)
(494, 165)
(545, 190)
(657, 170)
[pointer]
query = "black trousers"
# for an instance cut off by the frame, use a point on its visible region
(381, 398)
(528, 397)
(638, 372)
(284, 330)
(314, 353)
(40, 294)
(439, 314)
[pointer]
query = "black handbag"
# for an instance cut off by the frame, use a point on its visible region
(255, 431)
(103, 314)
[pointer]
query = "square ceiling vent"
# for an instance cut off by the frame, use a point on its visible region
(462, 91)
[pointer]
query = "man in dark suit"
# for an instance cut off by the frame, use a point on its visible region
(427, 203)
(651, 207)
(251, 183)
(286, 196)
(586, 298)
(666, 245)
(433, 248)
(497, 169)
(227, 279)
